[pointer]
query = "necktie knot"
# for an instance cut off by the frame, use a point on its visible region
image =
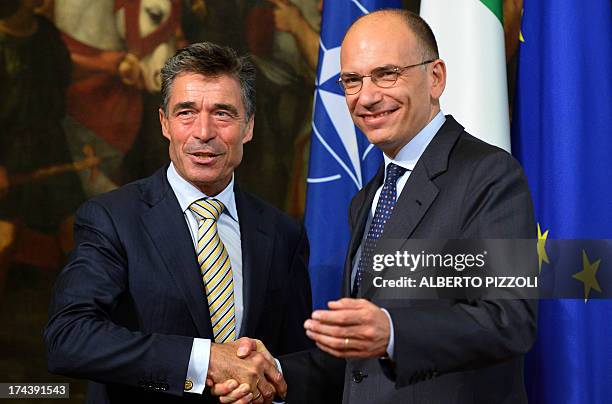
(393, 173)
(207, 208)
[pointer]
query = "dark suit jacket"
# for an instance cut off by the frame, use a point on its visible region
(130, 301)
(446, 351)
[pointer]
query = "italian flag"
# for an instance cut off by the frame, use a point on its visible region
(470, 35)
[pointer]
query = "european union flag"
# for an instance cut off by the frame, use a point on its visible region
(562, 135)
(341, 159)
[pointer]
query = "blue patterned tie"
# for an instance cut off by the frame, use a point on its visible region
(384, 208)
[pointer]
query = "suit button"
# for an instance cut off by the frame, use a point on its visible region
(188, 385)
(358, 376)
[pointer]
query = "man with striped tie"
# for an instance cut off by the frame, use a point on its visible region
(167, 272)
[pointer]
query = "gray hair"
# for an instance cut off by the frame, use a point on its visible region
(210, 60)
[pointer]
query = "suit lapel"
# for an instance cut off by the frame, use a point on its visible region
(165, 224)
(420, 191)
(416, 198)
(257, 241)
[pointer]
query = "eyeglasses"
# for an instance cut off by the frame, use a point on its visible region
(385, 77)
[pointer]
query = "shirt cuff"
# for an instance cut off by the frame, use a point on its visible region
(278, 366)
(391, 343)
(198, 366)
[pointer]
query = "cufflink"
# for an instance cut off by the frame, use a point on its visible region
(188, 385)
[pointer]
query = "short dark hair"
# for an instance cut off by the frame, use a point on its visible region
(211, 60)
(424, 35)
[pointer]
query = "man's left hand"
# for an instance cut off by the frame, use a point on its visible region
(351, 328)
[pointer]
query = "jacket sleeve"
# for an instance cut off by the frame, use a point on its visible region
(313, 376)
(81, 338)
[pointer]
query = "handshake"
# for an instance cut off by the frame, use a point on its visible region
(351, 328)
(243, 371)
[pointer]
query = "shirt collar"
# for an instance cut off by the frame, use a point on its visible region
(186, 193)
(410, 154)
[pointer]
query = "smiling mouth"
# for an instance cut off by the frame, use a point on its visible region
(204, 154)
(204, 157)
(371, 117)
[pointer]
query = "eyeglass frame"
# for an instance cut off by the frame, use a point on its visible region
(399, 70)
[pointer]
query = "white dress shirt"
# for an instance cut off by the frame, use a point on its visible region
(407, 157)
(228, 227)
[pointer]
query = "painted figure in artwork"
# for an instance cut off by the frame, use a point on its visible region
(39, 186)
(118, 48)
(283, 38)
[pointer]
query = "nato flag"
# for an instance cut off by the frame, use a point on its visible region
(341, 159)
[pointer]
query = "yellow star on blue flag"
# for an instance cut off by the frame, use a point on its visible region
(588, 275)
(542, 255)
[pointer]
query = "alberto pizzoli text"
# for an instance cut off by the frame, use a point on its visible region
(458, 282)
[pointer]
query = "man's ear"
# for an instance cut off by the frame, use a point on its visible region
(438, 78)
(163, 120)
(248, 130)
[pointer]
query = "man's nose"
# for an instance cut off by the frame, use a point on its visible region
(370, 93)
(204, 130)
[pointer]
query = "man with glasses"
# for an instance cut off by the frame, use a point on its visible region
(437, 182)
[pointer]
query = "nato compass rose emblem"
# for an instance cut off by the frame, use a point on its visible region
(344, 149)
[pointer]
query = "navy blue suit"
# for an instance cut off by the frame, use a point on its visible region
(130, 301)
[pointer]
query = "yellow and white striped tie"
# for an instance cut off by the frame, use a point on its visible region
(216, 269)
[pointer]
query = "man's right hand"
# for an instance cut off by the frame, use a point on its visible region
(254, 367)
